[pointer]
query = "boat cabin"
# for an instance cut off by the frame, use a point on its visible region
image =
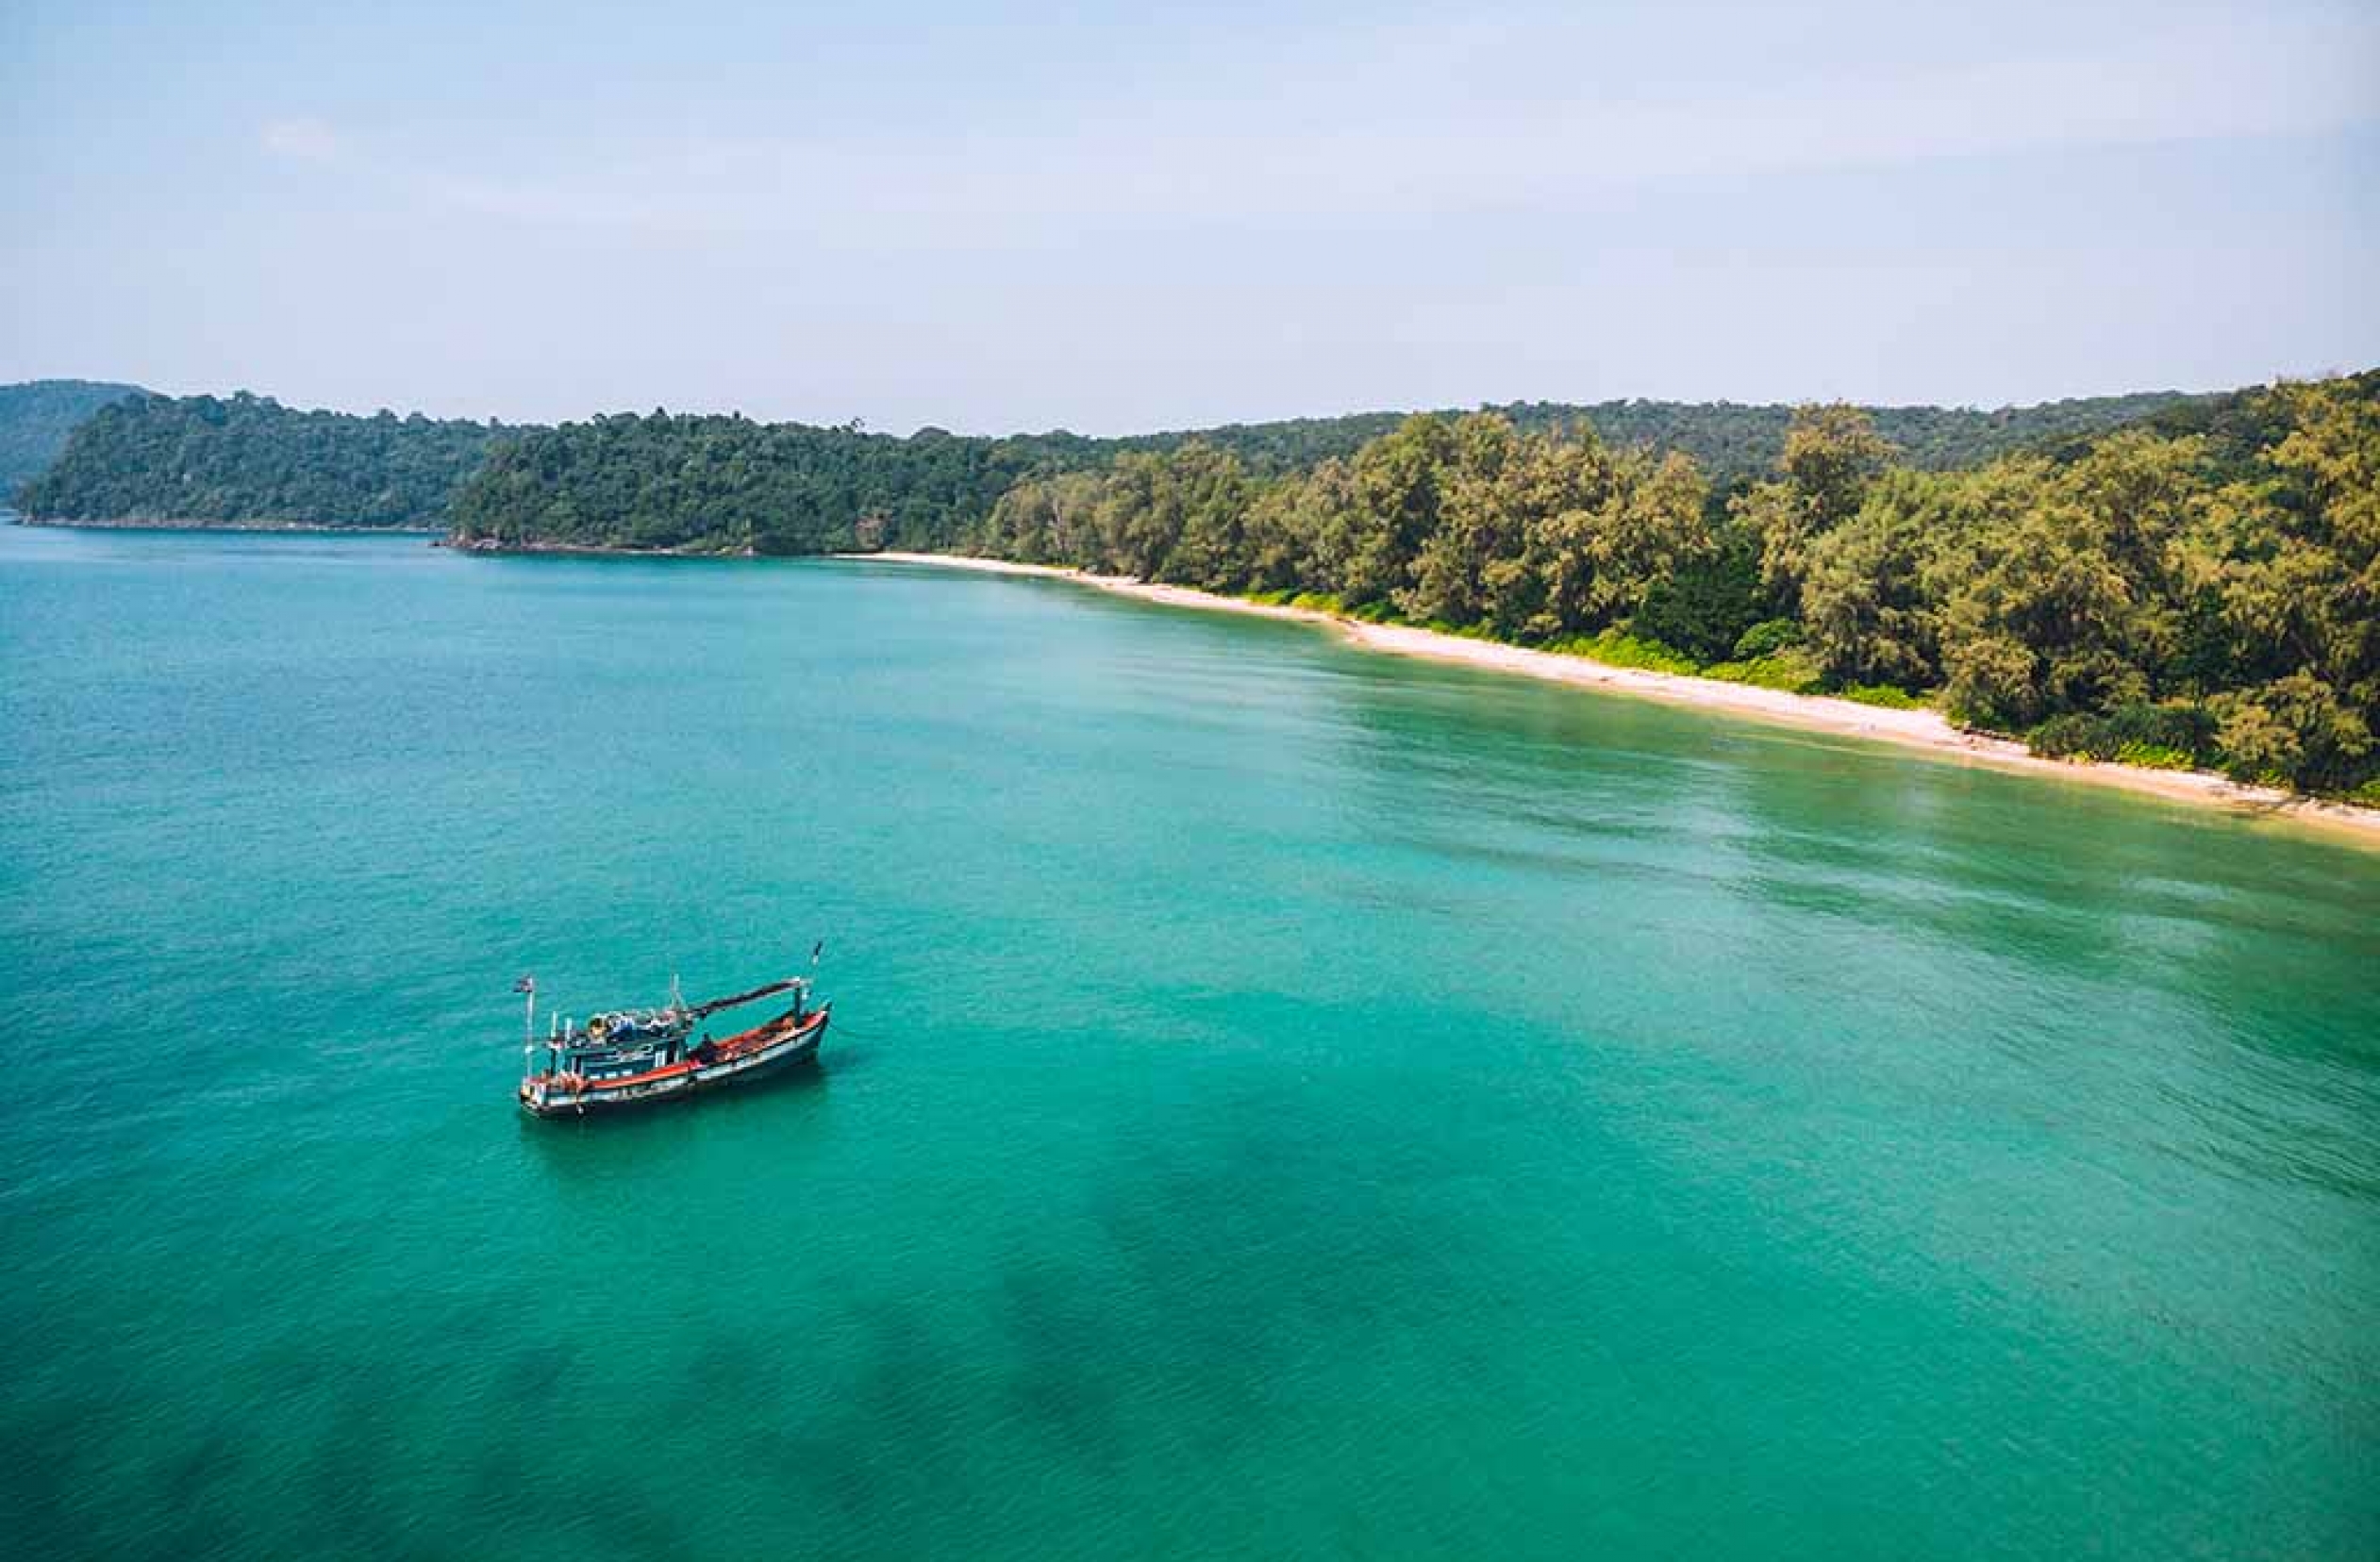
(627, 1042)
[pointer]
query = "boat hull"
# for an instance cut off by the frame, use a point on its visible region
(771, 1049)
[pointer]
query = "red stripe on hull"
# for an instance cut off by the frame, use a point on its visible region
(752, 1055)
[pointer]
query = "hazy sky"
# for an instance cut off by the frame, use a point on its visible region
(1125, 218)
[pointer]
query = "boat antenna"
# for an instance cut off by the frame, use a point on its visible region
(528, 1025)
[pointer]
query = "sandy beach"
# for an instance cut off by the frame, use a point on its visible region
(1927, 731)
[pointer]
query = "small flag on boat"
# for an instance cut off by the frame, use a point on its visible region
(526, 983)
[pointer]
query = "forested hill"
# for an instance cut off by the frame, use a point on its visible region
(36, 419)
(1728, 439)
(730, 484)
(248, 460)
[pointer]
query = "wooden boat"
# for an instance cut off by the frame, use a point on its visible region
(635, 1057)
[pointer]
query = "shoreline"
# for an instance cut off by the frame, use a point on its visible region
(491, 549)
(1925, 731)
(309, 528)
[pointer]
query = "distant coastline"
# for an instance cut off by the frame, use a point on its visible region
(1924, 730)
(586, 550)
(162, 524)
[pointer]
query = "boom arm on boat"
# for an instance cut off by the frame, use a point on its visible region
(788, 985)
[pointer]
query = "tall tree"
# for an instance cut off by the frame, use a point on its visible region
(1832, 453)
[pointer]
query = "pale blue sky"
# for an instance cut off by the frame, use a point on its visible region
(1113, 219)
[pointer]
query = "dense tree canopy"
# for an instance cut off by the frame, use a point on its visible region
(248, 459)
(2161, 597)
(37, 418)
(728, 484)
(2176, 595)
(670, 480)
(1728, 441)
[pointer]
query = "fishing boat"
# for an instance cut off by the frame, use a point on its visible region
(635, 1057)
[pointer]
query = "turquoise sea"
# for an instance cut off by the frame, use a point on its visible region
(1284, 1101)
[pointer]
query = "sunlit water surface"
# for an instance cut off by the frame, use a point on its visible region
(1283, 1100)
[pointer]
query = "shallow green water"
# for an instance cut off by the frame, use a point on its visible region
(1283, 1100)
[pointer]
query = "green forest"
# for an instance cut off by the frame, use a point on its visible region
(249, 461)
(39, 416)
(2201, 589)
(1728, 441)
(729, 483)
(2160, 579)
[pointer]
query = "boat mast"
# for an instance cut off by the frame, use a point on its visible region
(528, 1027)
